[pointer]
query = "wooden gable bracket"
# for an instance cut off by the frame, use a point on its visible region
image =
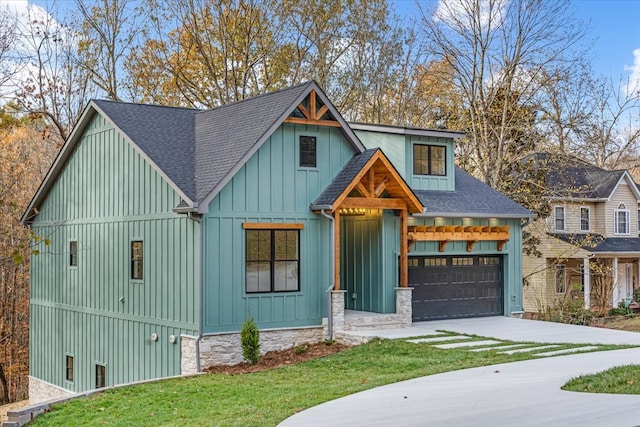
(501, 244)
(312, 115)
(442, 245)
(470, 244)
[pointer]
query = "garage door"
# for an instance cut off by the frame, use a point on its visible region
(455, 287)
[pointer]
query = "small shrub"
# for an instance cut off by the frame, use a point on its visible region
(617, 311)
(329, 342)
(567, 311)
(301, 349)
(250, 340)
(636, 295)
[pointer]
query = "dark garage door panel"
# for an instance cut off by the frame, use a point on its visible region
(456, 291)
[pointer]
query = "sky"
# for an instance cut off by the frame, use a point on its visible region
(614, 31)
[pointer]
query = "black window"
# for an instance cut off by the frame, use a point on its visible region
(101, 376)
(136, 260)
(429, 160)
(73, 254)
(308, 151)
(272, 260)
(69, 368)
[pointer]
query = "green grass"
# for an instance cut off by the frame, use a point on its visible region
(268, 397)
(619, 380)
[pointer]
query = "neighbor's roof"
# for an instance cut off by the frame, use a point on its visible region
(568, 176)
(599, 244)
(471, 198)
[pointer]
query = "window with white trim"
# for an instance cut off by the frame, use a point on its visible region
(638, 221)
(621, 220)
(558, 218)
(561, 278)
(585, 217)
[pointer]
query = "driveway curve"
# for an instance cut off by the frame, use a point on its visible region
(521, 393)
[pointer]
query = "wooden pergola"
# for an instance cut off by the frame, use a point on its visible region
(375, 185)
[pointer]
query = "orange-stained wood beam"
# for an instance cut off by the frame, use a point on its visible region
(361, 202)
(301, 121)
(370, 179)
(321, 112)
(271, 226)
(404, 247)
(336, 250)
(380, 187)
(363, 190)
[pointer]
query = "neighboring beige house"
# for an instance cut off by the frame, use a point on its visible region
(589, 243)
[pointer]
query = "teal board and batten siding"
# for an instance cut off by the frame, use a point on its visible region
(511, 253)
(106, 196)
(272, 188)
(399, 150)
(368, 266)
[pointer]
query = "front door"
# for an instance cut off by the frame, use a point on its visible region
(624, 289)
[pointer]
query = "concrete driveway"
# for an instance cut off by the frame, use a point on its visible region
(522, 393)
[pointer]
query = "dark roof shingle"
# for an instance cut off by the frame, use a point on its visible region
(471, 198)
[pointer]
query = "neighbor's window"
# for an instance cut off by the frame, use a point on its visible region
(73, 254)
(429, 160)
(638, 221)
(137, 259)
(584, 219)
(621, 220)
(69, 368)
(558, 212)
(561, 278)
(308, 151)
(272, 260)
(101, 376)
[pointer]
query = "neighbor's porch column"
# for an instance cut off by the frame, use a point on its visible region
(614, 280)
(586, 282)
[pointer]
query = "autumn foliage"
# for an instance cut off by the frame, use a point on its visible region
(24, 159)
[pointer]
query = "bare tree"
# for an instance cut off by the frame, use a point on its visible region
(8, 39)
(498, 50)
(50, 85)
(111, 31)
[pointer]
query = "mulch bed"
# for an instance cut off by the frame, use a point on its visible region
(277, 359)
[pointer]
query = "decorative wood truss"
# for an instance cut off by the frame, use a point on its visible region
(444, 234)
(376, 185)
(313, 113)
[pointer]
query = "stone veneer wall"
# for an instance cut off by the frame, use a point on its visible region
(225, 349)
(41, 391)
(188, 364)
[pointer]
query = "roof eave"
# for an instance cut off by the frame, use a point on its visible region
(428, 214)
(399, 130)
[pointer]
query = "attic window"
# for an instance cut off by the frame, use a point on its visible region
(308, 151)
(429, 160)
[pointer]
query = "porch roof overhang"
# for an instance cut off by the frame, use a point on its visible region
(368, 181)
(600, 245)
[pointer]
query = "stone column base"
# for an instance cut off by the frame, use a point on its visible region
(337, 310)
(42, 391)
(188, 362)
(404, 305)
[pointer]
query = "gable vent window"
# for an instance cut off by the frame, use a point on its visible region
(621, 220)
(137, 259)
(308, 151)
(73, 254)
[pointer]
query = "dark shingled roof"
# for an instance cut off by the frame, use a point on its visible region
(165, 134)
(225, 135)
(568, 176)
(343, 179)
(599, 244)
(470, 198)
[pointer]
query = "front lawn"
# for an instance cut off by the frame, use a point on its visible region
(268, 397)
(619, 380)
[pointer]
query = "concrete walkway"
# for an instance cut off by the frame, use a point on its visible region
(522, 393)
